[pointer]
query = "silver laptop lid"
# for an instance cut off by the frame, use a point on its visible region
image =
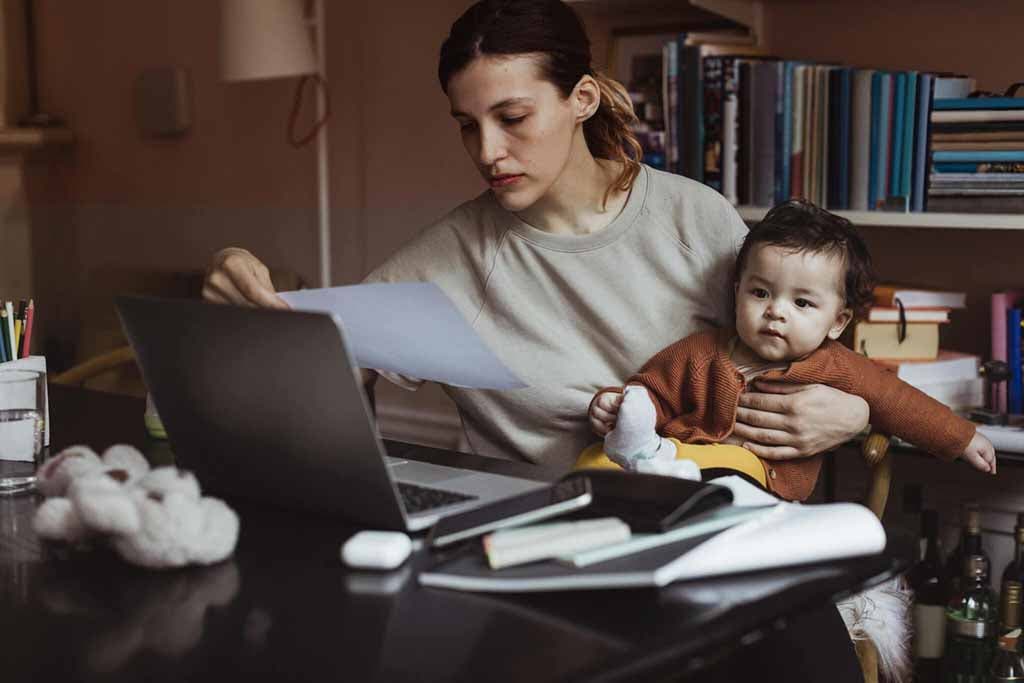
(264, 405)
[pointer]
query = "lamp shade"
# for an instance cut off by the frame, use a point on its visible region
(265, 39)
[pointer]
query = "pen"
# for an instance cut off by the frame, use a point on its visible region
(9, 307)
(26, 339)
(3, 335)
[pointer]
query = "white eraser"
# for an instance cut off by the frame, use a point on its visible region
(376, 549)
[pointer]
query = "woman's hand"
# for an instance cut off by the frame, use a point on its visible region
(782, 421)
(237, 277)
(604, 411)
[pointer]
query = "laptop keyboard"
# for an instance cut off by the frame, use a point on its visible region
(420, 498)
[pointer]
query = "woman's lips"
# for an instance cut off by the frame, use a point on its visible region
(504, 180)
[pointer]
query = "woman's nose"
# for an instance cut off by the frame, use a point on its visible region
(492, 147)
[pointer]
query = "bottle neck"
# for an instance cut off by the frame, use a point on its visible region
(970, 544)
(1018, 555)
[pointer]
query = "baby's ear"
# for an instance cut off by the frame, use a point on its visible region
(843, 319)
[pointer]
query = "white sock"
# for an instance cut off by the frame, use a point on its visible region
(634, 438)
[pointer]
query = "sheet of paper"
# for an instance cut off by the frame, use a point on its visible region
(410, 328)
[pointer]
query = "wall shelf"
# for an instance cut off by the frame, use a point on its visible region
(18, 139)
(960, 221)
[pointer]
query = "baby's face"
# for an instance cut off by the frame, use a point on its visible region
(787, 303)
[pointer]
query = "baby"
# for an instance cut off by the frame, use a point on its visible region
(801, 275)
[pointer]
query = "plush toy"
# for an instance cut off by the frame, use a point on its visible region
(154, 518)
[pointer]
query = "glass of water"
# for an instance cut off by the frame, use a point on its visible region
(22, 411)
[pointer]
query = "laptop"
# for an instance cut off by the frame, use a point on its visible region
(266, 405)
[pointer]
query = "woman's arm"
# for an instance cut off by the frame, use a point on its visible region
(781, 421)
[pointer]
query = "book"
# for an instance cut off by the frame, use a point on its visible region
(958, 394)
(1008, 438)
(985, 204)
(953, 86)
(913, 297)
(955, 103)
(885, 314)
(907, 152)
(922, 137)
(884, 340)
(510, 547)
(764, 92)
(980, 136)
(1015, 385)
(978, 155)
(978, 116)
(947, 366)
(1000, 303)
(981, 146)
(860, 139)
(783, 535)
(899, 100)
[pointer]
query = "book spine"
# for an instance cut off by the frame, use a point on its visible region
(796, 180)
(745, 167)
(963, 156)
(896, 149)
(945, 103)
(876, 132)
(782, 103)
(845, 106)
(832, 188)
(765, 93)
(714, 120)
(909, 119)
(1013, 352)
(919, 179)
(681, 95)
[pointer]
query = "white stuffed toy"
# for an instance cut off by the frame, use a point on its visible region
(155, 518)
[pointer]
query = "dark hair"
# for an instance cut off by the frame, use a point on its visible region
(552, 30)
(801, 226)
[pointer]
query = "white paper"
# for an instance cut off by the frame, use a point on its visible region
(788, 534)
(410, 328)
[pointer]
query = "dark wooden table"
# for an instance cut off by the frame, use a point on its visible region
(284, 608)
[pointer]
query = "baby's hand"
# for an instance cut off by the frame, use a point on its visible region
(604, 412)
(981, 454)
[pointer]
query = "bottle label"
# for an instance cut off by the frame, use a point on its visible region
(969, 628)
(929, 631)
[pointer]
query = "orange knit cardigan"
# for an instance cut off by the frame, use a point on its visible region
(695, 389)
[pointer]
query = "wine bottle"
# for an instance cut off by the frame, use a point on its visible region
(970, 544)
(1015, 569)
(970, 625)
(1007, 664)
(927, 579)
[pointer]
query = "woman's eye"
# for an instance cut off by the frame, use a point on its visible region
(466, 125)
(511, 121)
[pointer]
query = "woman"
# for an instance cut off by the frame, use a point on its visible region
(577, 265)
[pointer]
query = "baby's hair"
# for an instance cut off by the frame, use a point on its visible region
(800, 226)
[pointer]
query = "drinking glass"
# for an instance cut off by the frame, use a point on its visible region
(22, 411)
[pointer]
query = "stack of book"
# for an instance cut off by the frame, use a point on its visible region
(978, 155)
(902, 334)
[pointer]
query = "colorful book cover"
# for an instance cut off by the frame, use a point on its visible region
(1001, 303)
(979, 155)
(1015, 388)
(899, 102)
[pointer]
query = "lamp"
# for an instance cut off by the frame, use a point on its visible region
(263, 39)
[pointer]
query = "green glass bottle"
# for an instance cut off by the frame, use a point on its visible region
(1007, 664)
(970, 625)
(1015, 569)
(970, 544)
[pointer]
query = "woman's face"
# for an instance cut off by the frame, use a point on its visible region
(516, 126)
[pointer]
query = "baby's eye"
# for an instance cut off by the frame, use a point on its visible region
(759, 293)
(804, 303)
